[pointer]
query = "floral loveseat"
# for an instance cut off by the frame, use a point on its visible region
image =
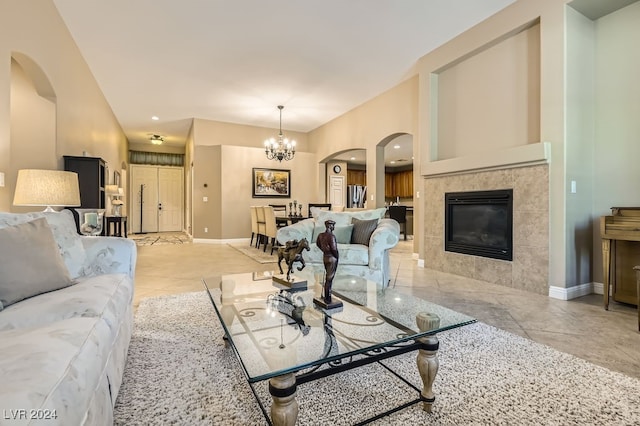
(364, 239)
(66, 318)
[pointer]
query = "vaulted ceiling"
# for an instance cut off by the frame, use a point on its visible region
(235, 61)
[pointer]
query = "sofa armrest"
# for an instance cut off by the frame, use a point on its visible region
(109, 255)
(386, 236)
(297, 231)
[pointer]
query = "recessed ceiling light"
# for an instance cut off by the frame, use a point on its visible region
(155, 118)
(392, 162)
(353, 158)
(396, 146)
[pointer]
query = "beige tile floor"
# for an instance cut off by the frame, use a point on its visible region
(580, 326)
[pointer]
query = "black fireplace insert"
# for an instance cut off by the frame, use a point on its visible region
(479, 223)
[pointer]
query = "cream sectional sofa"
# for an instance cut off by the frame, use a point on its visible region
(62, 351)
(367, 258)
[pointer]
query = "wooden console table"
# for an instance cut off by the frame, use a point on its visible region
(620, 235)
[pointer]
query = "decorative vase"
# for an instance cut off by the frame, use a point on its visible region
(91, 221)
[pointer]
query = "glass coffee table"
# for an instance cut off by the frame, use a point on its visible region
(279, 335)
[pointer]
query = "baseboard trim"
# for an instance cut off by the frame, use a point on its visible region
(219, 241)
(598, 288)
(564, 293)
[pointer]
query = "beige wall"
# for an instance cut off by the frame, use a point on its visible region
(224, 156)
(83, 120)
(164, 148)
(365, 127)
(589, 104)
(491, 100)
(549, 15)
(209, 132)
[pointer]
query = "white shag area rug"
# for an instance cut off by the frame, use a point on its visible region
(179, 372)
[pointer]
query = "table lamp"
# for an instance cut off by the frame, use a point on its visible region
(115, 193)
(50, 188)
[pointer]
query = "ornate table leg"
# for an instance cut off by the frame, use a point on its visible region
(427, 358)
(284, 410)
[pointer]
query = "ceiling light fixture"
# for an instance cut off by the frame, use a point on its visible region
(155, 118)
(282, 148)
(156, 139)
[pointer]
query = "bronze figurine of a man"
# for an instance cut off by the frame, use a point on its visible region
(327, 242)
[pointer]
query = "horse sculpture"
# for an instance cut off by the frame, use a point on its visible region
(291, 252)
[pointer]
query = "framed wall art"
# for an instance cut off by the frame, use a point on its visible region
(271, 183)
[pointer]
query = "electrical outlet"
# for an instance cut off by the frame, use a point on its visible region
(206, 230)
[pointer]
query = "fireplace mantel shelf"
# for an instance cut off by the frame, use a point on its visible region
(520, 156)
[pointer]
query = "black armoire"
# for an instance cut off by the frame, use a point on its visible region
(92, 181)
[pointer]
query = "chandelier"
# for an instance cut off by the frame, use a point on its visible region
(282, 148)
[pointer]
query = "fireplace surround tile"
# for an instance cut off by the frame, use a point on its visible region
(530, 228)
(530, 265)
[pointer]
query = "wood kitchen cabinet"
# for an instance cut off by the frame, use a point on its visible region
(399, 184)
(357, 177)
(388, 185)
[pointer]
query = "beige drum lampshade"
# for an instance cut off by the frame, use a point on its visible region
(47, 188)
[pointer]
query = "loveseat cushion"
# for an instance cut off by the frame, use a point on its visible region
(345, 218)
(342, 233)
(362, 230)
(31, 263)
(350, 254)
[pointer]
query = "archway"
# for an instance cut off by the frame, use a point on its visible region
(32, 121)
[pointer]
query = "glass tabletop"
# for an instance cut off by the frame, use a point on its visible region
(276, 329)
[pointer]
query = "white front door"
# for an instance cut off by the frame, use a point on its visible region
(337, 195)
(157, 199)
(170, 199)
(144, 194)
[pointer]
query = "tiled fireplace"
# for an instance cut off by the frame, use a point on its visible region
(529, 267)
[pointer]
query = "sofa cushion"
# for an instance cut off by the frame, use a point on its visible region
(106, 296)
(344, 218)
(362, 230)
(31, 263)
(342, 233)
(57, 366)
(63, 226)
(350, 254)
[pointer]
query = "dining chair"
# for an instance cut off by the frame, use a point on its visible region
(261, 225)
(280, 211)
(399, 214)
(322, 206)
(254, 223)
(270, 228)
